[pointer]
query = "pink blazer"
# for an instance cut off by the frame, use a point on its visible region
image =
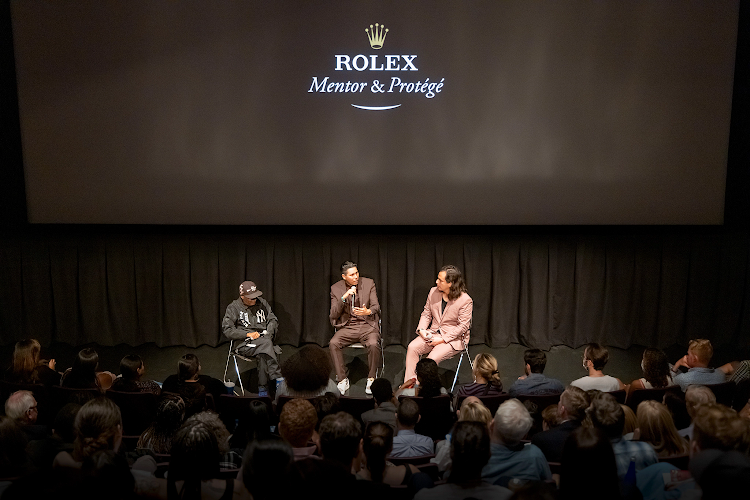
(454, 323)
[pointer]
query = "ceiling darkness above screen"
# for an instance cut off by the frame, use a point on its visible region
(361, 112)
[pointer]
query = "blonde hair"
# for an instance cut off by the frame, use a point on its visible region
(657, 428)
(631, 423)
(474, 411)
(485, 365)
(701, 349)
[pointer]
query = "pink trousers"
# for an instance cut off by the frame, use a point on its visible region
(419, 347)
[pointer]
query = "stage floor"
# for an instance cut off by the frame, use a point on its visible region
(563, 362)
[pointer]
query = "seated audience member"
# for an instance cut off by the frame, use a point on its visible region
(325, 405)
(571, 410)
(13, 459)
(656, 427)
(22, 407)
(588, 462)
(631, 422)
(170, 413)
(536, 418)
(98, 426)
(533, 381)
(267, 469)
(107, 475)
(407, 443)
(736, 371)
(297, 425)
(254, 423)
(340, 436)
(509, 457)
(606, 414)
(307, 374)
(131, 377)
(470, 452)
(428, 383)
(229, 459)
(192, 386)
(675, 403)
(472, 410)
(595, 358)
(43, 451)
(718, 427)
(377, 444)
(27, 368)
(550, 418)
(721, 474)
(85, 374)
(656, 373)
(696, 362)
(486, 378)
(695, 395)
(385, 404)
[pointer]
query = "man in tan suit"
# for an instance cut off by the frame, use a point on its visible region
(354, 314)
(444, 324)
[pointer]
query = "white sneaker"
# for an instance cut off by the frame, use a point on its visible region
(343, 386)
(368, 389)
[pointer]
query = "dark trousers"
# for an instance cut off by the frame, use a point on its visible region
(265, 353)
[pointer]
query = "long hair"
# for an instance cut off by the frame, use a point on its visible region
(98, 426)
(195, 458)
(456, 279)
(657, 427)
(170, 413)
(26, 359)
(429, 380)
(656, 367)
(470, 451)
(588, 459)
(377, 444)
(254, 423)
(187, 367)
(308, 369)
(485, 365)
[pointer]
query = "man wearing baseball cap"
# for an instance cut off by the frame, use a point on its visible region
(250, 318)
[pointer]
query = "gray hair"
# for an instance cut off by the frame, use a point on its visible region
(19, 403)
(512, 422)
(697, 395)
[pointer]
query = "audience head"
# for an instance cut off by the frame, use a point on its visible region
(573, 404)
(606, 414)
(382, 391)
(188, 367)
(340, 436)
(720, 428)
(86, 364)
(454, 277)
(429, 380)
(195, 455)
(657, 427)
(550, 417)
(26, 358)
(266, 468)
(473, 410)
(535, 361)
(655, 367)
(700, 352)
(485, 366)
(254, 423)
(595, 356)
(308, 369)
(511, 423)
(588, 459)
(631, 421)
(325, 405)
(213, 422)
(64, 424)
(131, 367)
(21, 406)
(720, 473)
(376, 445)
(697, 395)
(470, 451)
(675, 403)
(407, 414)
(297, 422)
(98, 426)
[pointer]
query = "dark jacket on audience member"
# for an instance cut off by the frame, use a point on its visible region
(385, 413)
(551, 442)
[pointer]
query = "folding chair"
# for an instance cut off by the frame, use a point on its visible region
(471, 362)
(233, 356)
(360, 345)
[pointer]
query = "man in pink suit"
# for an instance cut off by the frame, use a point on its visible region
(444, 324)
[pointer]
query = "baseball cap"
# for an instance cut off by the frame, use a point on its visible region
(249, 290)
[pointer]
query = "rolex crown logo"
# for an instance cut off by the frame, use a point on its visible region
(376, 35)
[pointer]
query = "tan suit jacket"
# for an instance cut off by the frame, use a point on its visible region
(454, 323)
(341, 312)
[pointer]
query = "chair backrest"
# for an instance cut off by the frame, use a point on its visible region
(640, 395)
(44, 401)
(138, 410)
(64, 395)
(724, 392)
(437, 418)
(491, 402)
(679, 461)
(619, 395)
(356, 406)
(430, 469)
(230, 407)
(417, 460)
(542, 401)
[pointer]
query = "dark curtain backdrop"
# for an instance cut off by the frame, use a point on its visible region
(541, 287)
